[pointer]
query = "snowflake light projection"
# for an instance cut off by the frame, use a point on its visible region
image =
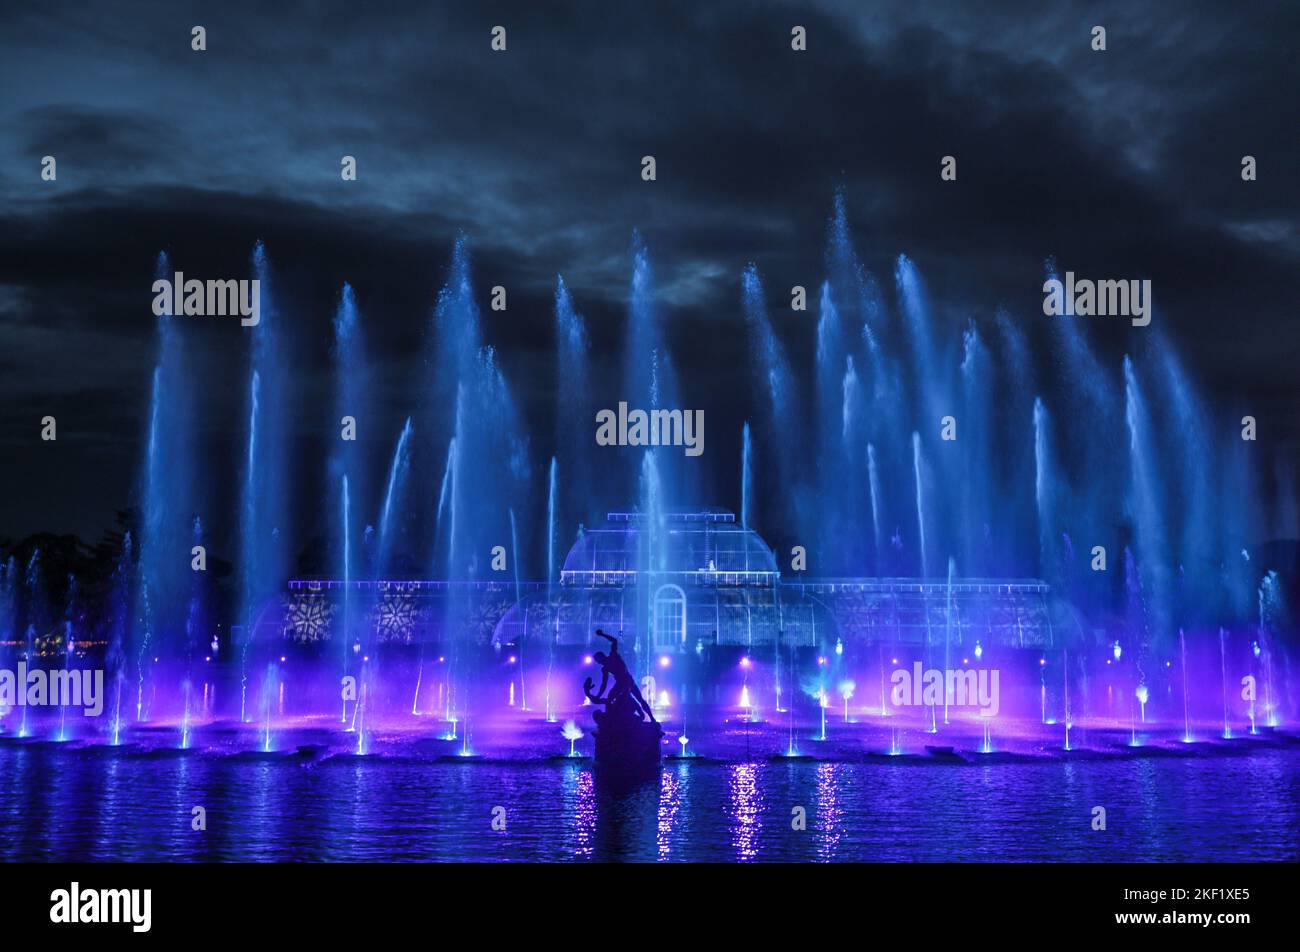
(395, 617)
(309, 619)
(485, 612)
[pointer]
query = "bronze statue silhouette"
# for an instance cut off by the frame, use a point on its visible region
(627, 735)
(624, 691)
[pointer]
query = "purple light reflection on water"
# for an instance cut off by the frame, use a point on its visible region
(114, 805)
(746, 804)
(830, 814)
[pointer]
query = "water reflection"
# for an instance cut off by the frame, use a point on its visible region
(830, 815)
(627, 824)
(746, 808)
(584, 822)
(77, 805)
(669, 804)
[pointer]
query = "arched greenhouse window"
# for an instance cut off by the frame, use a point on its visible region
(669, 617)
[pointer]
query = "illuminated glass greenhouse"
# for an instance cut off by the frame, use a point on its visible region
(689, 581)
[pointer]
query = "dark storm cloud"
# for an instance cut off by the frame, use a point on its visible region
(106, 144)
(1120, 163)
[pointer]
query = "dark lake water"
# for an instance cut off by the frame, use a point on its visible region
(87, 805)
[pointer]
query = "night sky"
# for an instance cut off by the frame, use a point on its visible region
(1124, 163)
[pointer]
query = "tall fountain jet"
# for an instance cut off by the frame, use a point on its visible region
(841, 401)
(1199, 525)
(168, 501)
(746, 478)
(651, 557)
(491, 461)
(575, 413)
(1015, 383)
(398, 471)
(487, 466)
(1145, 504)
(264, 510)
(69, 646)
(982, 554)
(854, 491)
(347, 468)
(516, 559)
(928, 374)
(195, 621)
(352, 404)
(553, 625)
(34, 612)
(931, 393)
(120, 632)
(918, 472)
(827, 519)
(1093, 393)
(1044, 494)
(877, 508)
(649, 379)
(778, 410)
(346, 634)
(1270, 612)
(442, 513)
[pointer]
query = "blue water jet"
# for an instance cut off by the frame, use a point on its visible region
(398, 470)
(263, 523)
